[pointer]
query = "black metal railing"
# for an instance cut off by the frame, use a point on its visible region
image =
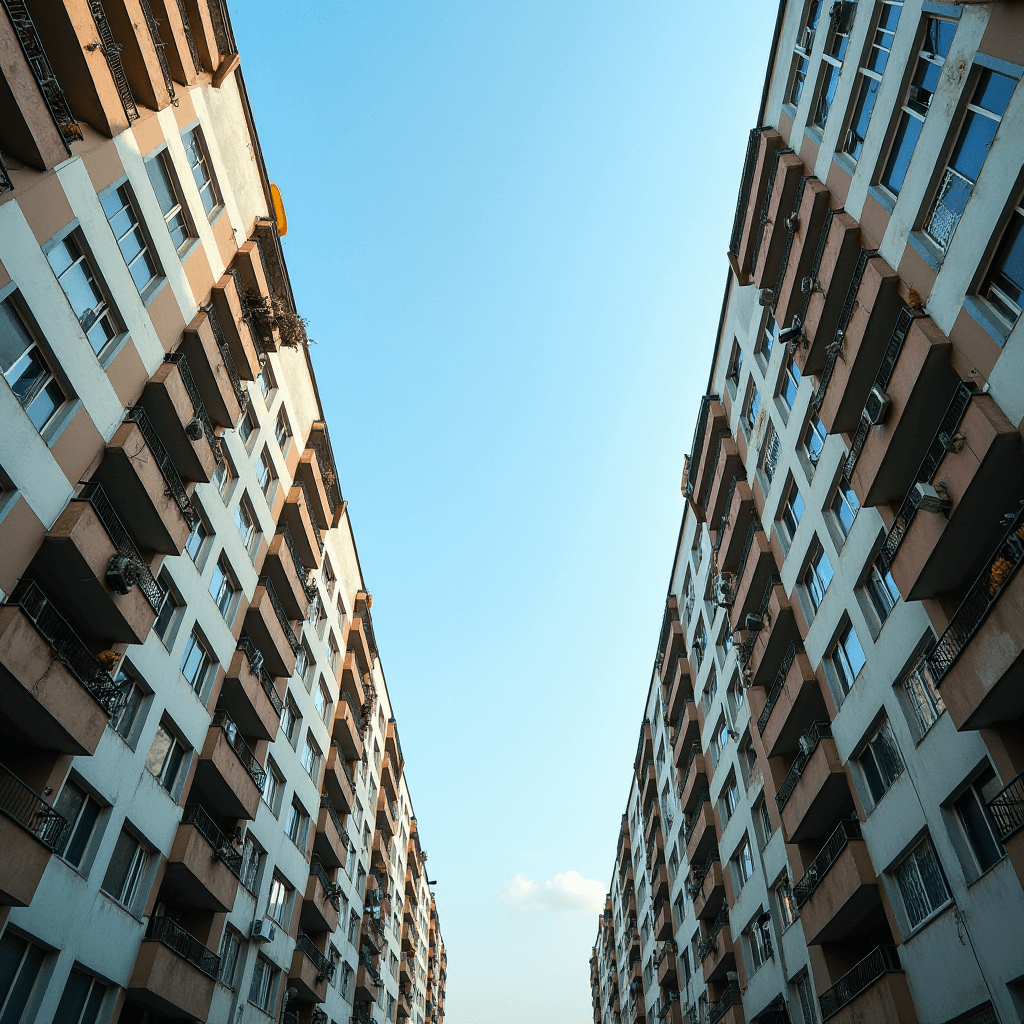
(130, 567)
(827, 856)
(324, 965)
(24, 805)
(32, 47)
(255, 659)
(743, 197)
(327, 471)
(942, 443)
(702, 872)
(1001, 567)
(282, 615)
(723, 436)
(366, 962)
(309, 509)
(364, 616)
(112, 53)
(697, 816)
(198, 406)
(354, 708)
(698, 439)
(222, 849)
(879, 961)
(222, 720)
(762, 217)
(6, 185)
(343, 764)
(241, 395)
(160, 46)
(780, 681)
(747, 545)
(304, 574)
(170, 934)
(1007, 807)
(190, 38)
(332, 811)
(730, 997)
(318, 1016)
(175, 488)
(792, 223)
(808, 744)
(67, 645)
(331, 889)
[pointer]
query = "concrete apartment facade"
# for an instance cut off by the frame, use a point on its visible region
(826, 817)
(204, 813)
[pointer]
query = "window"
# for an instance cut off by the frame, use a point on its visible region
(290, 719)
(165, 758)
(282, 431)
(304, 664)
(814, 440)
(196, 662)
(882, 591)
(743, 864)
(700, 644)
(1004, 284)
(805, 999)
(346, 977)
(353, 927)
(26, 369)
(20, 961)
(81, 1000)
(83, 292)
(265, 474)
(123, 722)
(245, 524)
(840, 20)
(735, 364)
(923, 697)
(730, 799)
(322, 702)
(751, 407)
(802, 52)
(792, 510)
(252, 857)
(771, 332)
(790, 383)
(788, 910)
(759, 939)
(721, 738)
(844, 506)
(263, 990)
(197, 538)
(938, 36)
(199, 162)
(165, 185)
(168, 612)
(125, 870)
(770, 453)
(81, 812)
(847, 658)
(333, 652)
(297, 826)
(223, 589)
(272, 785)
(764, 820)
(817, 576)
(230, 946)
(311, 758)
(921, 883)
(976, 823)
(279, 901)
(247, 428)
(984, 112)
(880, 762)
(222, 477)
(265, 379)
(870, 76)
(126, 224)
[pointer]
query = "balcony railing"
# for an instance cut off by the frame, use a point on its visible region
(780, 680)
(67, 645)
(746, 181)
(222, 849)
(327, 470)
(354, 708)
(808, 744)
(698, 439)
(367, 962)
(241, 395)
(160, 46)
(803, 890)
(127, 566)
(255, 659)
(325, 967)
(1007, 807)
(954, 191)
(984, 593)
(762, 219)
(343, 764)
(309, 508)
(697, 816)
(112, 52)
(175, 488)
(792, 222)
(198, 406)
(188, 947)
(730, 997)
(812, 270)
(190, 38)
(22, 804)
(332, 890)
(222, 720)
(879, 961)
(282, 615)
(304, 574)
(748, 543)
(325, 802)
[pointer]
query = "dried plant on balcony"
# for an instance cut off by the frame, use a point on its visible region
(273, 314)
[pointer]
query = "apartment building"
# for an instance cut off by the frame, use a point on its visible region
(204, 812)
(826, 816)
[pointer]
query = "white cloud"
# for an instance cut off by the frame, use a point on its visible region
(569, 893)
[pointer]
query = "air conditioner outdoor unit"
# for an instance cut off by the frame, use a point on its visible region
(262, 931)
(927, 499)
(876, 406)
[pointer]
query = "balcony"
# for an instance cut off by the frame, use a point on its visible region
(291, 579)
(700, 833)
(827, 284)
(309, 472)
(228, 772)
(203, 865)
(174, 974)
(1007, 811)
(815, 790)
(726, 466)
(30, 831)
(647, 782)
(139, 477)
(348, 727)
(693, 786)
(387, 816)
(380, 854)
(249, 695)
(176, 410)
(794, 703)
(360, 639)
(368, 979)
(372, 932)
(229, 306)
(353, 677)
(53, 691)
(811, 208)
(659, 875)
(665, 961)
(728, 1008)
(756, 567)
(708, 888)
(321, 902)
(839, 889)
(763, 146)
(716, 952)
(778, 632)
(297, 515)
(712, 426)
(875, 990)
(213, 369)
(338, 781)
(389, 777)
(311, 971)
(90, 558)
(686, 733)
(974, 464)
(785, 175)
(734, 526)
(680, 688)
(268, 626)
(916, 377)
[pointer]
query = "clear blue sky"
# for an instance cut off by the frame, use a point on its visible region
(508, 224)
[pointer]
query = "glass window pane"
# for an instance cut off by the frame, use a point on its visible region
(902, 150)
(161, 182)
(994, 91)
(72, 1001)
(972, 146)
(14, 338)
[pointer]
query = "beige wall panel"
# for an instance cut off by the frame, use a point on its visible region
(104, 166)
(127, 374)
(21, 533)
(167, 318)
(78, 445)
(46, 208)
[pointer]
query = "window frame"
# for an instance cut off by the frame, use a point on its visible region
(173, 782)
(124, 192)
(195, 131)
(180, 207)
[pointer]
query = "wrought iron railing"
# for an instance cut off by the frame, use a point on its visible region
(343, 764)
(730, 997)
(723, 436)
(1001, 567)
(354, 708)
(129, 567)
(697, 816)
(205, 825)
(309, 509)
(160, 46)
(32, 47)
(325, 966)
(879, 961)
(67, 645)
(364, 617)
(1007, 807)
(331, 889)
(827, 856)
(954, 191)
(701, 873)
(222, 720)
(175, 488)
(941, 444)
(282, 615)
(327, 471)
(190, 38)
(808, 744)
(22, 804)
(112, 53)
(762, 217)
(792, 222)
(698, 439)
(198, 407)
(366, 962)
(812, 270)
(241, 395)
(332, 812)
(304, 574)
(747, 545)
(6, 185)
(255, 659)
(746, 181)
(170, 934)
(780, 681)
